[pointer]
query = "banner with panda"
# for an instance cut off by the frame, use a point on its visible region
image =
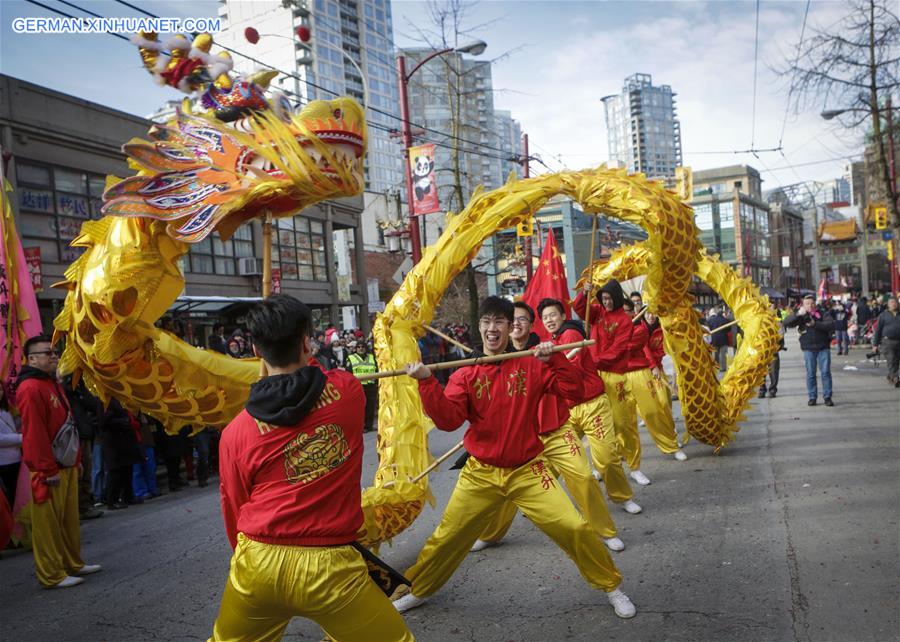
(421, 166)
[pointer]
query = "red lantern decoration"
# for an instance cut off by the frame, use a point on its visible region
(303, 33)
(252, 35)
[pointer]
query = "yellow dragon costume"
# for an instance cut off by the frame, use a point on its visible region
(247, 155)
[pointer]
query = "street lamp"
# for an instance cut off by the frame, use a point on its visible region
(476, 48)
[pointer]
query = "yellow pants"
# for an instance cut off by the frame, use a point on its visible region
(56, 533)
(624, 414)
(594, 420)
(563, 449)
(270, 584)
(654, 403)
(479, 494)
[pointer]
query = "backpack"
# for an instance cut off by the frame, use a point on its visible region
(65, 444)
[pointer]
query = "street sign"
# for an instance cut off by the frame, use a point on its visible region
(887, 236)
(403, 270)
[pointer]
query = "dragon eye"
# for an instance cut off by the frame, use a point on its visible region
(337, 114)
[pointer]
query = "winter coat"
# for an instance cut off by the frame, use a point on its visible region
(815, 329)
(887, 327)
(120, 440)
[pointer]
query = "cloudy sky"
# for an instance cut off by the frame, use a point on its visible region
(563, 57)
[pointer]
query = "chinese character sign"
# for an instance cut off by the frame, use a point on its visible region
(19, 317)
(276, 280)
(33, 261)
(424, 199)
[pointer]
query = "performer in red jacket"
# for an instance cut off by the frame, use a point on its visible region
(501, 402)
(56, 533)
(650, 393)
(562, 441)
(290, 467)
(612, 329)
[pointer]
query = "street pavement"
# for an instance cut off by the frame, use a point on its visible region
(791, 533)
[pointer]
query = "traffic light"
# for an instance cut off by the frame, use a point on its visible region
(881, 217)
(526, 227)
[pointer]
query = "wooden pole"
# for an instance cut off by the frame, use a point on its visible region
(722, 327)
(459, 363)
(587, 308)
(267, 255)
(443, 336)
(637, 317)
(437, 462)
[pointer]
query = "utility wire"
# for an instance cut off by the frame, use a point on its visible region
(300, 98)
(755, 62)
(787, 106)
(326, 90)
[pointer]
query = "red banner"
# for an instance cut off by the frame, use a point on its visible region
(549, 281)
(33, 260)
(424, 199)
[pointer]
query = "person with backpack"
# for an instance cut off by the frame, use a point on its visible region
(50, 449)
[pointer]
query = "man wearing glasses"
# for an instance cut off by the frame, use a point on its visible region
(56, 535)
(500, 400)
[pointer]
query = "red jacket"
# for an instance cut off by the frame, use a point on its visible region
(593, 384)
(637, 347)
(297, 485)
(656, 348)
(501, 402)
(43, 407)
(611, 331)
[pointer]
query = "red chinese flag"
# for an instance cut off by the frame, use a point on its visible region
(549, 281)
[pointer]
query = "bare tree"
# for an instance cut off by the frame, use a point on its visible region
(448, 24)
(851, 70)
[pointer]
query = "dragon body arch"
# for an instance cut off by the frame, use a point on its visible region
(199, 174)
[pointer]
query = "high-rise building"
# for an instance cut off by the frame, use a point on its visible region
(433, 93)
(642, 131)
(347, 38)
(509, 139)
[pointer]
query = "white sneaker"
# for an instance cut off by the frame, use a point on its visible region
(641, 423)
(621, 604)
(481, 544)
(680, 456)
(614, 543)
(88, 569)
(67, 581)
(640, 477)
(409, 601)
(596, 474)
(630, 506)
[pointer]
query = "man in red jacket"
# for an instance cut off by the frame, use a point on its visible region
(612, 329)
(562, 443)
(501, 402)
(290, 467)
(44, 408)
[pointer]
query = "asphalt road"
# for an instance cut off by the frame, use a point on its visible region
(791, 533)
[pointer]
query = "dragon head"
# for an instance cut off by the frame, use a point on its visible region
(245, 156)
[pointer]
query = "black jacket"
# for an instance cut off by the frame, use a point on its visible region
(87, 409)
(815, 328)
(718, 339)
(887, 327)
(120, 442)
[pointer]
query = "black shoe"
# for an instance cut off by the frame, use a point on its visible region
(828, 401)
(91, 513)
(772, 393)
(134, 500)
(118, 506)
(762, 394)
(811, 402)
